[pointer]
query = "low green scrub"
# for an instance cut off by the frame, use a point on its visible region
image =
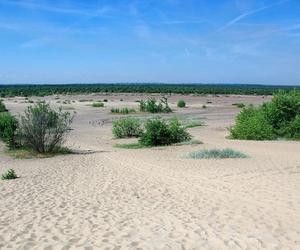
(126, 128)
(217, 154)
(9, 175)
(181, 104)
(152, 106)
(159, 132)
(98, 104)
(251, 124)
(8, 127)
(278, 118)
(123, 111)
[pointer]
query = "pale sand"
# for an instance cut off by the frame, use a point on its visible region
(153, 198)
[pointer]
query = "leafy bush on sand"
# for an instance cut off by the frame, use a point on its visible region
(126, 128)
(278, 118)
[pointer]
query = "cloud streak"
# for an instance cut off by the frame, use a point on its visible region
(250, 13)
(32, 5)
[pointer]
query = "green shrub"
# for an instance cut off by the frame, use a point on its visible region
(158, 132)
(2, 107)
(8, 127)
(181, 104)
(98, 105)
(251, 124)
(282, 110)
(9, 175)
(123, 111)
(43, 129)
(217, 154)
(155, 107)
(126, 128)
(293, 129)
(204, 106)
(277, 118)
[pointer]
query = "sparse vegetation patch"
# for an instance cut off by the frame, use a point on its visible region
(9, 175)
(152, 106)
(123, 111)
(98, 104)
(217, 154)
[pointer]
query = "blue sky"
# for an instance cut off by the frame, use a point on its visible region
(205, 41)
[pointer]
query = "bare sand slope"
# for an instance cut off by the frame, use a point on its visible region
(153, 198)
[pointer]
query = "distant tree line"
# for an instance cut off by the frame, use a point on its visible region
(43, 90)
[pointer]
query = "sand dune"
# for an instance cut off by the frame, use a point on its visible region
(153, 198)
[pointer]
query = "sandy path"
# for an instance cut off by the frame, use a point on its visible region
(153, 198)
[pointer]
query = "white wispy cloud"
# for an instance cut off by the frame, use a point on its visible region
(250, 13)
(44, 6)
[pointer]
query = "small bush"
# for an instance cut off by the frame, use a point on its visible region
(217, 154)
(98, 105)
(2, 107)
(155, 107)
(43, 129)
(126, 128)
(8, 127)
(181, 104)
(204, 106)
(251, 124)
(105, 100)
(9, 175)
(123, 111)
(158, 133)
(239, 105)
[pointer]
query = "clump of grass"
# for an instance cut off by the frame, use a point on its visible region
(239, 105)
(217, 154)
(123, 111)
(204, 106)
(9, 175)
(105, 100)
(190, 142)
(98, 104)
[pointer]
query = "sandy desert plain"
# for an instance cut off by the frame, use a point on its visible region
(155, 198)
